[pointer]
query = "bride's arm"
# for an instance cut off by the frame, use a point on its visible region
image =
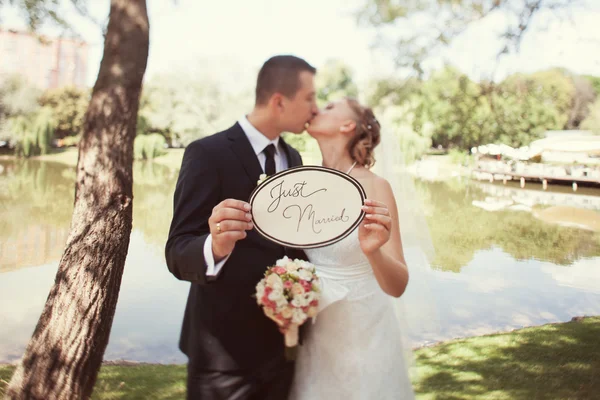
(381, 242)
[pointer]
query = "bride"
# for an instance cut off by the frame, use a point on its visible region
(354, 349)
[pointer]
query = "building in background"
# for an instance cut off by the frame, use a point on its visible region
(46, 62)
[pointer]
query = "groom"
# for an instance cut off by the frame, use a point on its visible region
(234, 351)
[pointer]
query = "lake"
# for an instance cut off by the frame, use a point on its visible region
(505, 258)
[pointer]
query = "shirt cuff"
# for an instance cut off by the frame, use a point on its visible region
(212, 269)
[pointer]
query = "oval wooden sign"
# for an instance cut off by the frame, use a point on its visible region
(307, 207)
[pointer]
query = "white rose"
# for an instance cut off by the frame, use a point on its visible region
(300, 301)
(312, 312)
(275, 294)
(306, 265)
(299, 317)
(297, 302)
(281, 302)
(292, 267)
(310, 296)
(305, 274)
(275, 282)
(294, 274)
(261, 178)
(282, 262)
(260, 290)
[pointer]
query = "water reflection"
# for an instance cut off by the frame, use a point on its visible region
(35, 207)
(494, 270)
(495, 292)
(459, 229)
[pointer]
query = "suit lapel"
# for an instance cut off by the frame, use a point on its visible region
(243, 149)
(292, 160)
(241, 146)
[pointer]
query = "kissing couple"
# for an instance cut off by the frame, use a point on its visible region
(353, 350)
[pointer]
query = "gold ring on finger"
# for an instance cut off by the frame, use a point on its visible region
(218, 227)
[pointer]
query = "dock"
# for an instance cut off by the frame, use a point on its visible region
(574, 175)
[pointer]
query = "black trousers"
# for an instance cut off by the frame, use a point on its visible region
(272, 383)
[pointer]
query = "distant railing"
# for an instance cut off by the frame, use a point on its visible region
(537, 197)
(497, 170)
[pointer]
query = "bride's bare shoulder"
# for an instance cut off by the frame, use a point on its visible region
(377, 184)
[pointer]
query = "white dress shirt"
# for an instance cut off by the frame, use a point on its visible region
(258, 141)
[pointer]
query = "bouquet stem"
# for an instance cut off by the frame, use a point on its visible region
(291, 342)
(291, 336)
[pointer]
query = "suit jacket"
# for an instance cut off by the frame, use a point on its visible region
(223, 327)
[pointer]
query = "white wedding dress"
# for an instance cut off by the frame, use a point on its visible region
(354, 349)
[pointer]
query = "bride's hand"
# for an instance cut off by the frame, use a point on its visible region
(375, 229)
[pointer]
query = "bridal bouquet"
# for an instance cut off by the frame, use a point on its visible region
(289, 295)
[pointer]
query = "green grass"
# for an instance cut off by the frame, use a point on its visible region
(558, 361)
(135, 382)
(141, 382)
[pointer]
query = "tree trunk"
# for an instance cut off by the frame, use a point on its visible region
(65, 352)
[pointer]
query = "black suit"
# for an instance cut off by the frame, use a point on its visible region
(225, 335)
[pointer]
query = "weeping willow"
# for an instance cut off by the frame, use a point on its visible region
(33, 134)
(148, 147)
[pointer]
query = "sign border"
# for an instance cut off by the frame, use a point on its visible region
(288, 171)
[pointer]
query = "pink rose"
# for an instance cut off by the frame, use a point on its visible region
(288, 284)
(279, 270)
(306, 285)
(268, 303)
(314, 303)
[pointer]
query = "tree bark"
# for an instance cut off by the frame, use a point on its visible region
(65, 353)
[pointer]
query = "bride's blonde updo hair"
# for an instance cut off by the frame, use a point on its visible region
(366, 136)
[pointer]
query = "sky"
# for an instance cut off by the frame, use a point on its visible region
(230, 39)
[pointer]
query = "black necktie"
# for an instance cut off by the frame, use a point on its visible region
(270, 162)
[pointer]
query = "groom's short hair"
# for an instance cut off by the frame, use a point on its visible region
(280, 74)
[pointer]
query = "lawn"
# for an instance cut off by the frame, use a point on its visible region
(557, 361)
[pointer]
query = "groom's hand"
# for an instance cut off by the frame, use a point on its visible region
(228, 223)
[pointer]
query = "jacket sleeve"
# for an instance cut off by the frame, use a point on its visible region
(196, 194)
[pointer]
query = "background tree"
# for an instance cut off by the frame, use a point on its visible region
(419, 30)
(68, 104)
(65, 352)
(456, 109)
(334, 80)
(592, 122)
(514, 112)
(583, 98)
(456, 112)
(595, 82)
(33, 134)
(527, 105)
(39, 12)
(185, 107)
(17, 99)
